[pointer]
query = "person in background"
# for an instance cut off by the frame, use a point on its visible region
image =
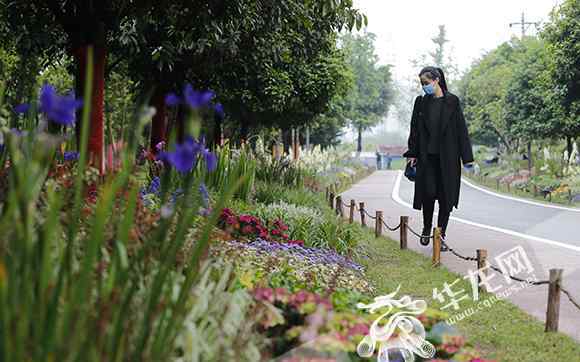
(437, 145)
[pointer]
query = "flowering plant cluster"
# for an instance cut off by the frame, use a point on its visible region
(322, 324)
(58, 109)
(303, 314)
(292, 266)
(185, 155)
(250, 226)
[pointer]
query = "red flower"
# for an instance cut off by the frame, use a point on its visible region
(248, 229)
(231, 220)
(275, 232)
(245, 218)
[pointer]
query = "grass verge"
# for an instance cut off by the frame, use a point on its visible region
(503, 331)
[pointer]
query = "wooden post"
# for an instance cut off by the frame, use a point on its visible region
(339, 206)
(351, 211)
(497, 183)
(331, 200)
(327, 192)
(508, 186)
(482, 267)
(379, 224)
(436, 246)
(361, 206)
(292, 143)
(535, 191)
(403, 232)
(550, 196)
(570, 196)
(553, 312)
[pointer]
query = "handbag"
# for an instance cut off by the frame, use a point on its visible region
(411, 171)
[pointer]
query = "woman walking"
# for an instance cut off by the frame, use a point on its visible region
(438, 143)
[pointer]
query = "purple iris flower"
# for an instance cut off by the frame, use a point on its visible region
(22, 108)
(59, 109)
(219, 111)
(210, 160)
(71, 156)
(204, 195)
(184, 157)
(171, 99)
(209, 157)
(196, 99)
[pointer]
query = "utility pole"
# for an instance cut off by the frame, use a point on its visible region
(524, 24)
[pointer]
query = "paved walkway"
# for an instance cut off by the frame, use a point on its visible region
(548, 234)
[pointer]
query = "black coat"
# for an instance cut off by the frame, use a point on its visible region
(455, 147)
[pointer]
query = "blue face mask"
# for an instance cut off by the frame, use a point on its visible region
(429, 89)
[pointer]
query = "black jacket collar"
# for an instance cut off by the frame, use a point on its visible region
(446, 111)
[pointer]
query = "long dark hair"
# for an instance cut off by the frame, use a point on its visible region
(435, 73)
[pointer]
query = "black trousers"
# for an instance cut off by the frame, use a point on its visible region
(434, 191)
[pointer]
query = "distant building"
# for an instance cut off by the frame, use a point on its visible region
(392, 151)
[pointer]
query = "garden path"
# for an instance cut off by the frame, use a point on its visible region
(550, 236)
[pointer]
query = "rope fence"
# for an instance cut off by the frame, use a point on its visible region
(439, 244)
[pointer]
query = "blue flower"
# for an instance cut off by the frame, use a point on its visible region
(204, 195)
(209, 157)
(58, 109)
(71, 156)
(22, 108)
(210, 160)
(152, 189)
(219, 111)
(171, 99)
(196, 99)
(184, 157)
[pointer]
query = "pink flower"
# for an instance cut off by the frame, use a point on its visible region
(245, 218)
(264, 294)
(300, 297)
(358, 329)
(230, 220)
(248, 229)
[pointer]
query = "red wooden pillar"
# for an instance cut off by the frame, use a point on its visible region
(96, 150)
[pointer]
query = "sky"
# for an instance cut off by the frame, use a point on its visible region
(404, 29)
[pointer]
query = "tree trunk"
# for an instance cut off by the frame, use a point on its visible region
(96, 129)
(359, 141)
(159, 122)
(569, 145)
(244, 131)
(530, 164)
(180, 123)
(217, 131)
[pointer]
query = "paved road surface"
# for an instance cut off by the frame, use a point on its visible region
(549, 235)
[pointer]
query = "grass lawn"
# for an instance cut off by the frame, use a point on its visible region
(503, 331)
(491, 184)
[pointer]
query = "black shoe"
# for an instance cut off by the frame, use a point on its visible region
(443, 247)
(424, 239)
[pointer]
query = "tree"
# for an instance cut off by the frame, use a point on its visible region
(369, 100)
(562, 35)
(485, 88)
